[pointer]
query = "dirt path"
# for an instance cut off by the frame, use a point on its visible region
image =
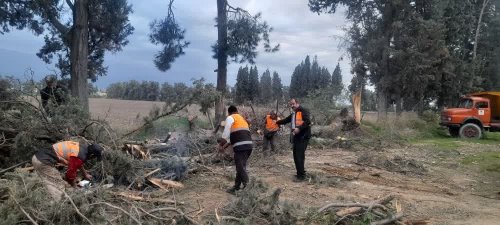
(444, 195)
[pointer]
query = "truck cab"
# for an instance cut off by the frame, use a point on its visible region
(474, 114)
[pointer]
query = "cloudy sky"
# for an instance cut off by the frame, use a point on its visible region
(299, 32)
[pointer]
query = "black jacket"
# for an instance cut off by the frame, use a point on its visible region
(305, 129)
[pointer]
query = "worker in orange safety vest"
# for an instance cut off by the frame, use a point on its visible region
(68, 153)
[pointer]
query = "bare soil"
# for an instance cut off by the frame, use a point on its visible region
(447, 194)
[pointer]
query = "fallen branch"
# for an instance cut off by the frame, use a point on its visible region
(116, 207)
(177, 211)
(139, 198)
(147, 123)
(24, 211)
(165, 184)
(151, 215)
(352, 205)
(76, 208)
(13, 167)
(151, 173)
(356, 210)
(398, 216)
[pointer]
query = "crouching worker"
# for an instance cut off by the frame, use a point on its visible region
(69, 153)
(237, 134)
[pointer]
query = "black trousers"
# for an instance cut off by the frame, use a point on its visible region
(240, 161)
(299, 155)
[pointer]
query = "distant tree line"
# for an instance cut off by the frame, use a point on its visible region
(250, 88)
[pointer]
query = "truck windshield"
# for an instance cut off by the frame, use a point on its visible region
(465, 103)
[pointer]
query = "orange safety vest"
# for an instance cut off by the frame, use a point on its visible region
(66, 149)
(240, 136)
(271, 124)
(239, 123)
(298, 119)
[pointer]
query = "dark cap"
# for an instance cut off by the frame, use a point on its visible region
(95, 150)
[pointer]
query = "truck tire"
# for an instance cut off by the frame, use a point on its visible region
(454, 131)
(471, 131)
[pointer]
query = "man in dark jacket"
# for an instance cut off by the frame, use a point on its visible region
(52, 94)
(301, 132)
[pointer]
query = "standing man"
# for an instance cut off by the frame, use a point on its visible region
(237, 133)
(301, 131)
(52, 93)
(69, 153)
(270, 132)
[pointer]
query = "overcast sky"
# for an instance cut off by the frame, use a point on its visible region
(299, 32)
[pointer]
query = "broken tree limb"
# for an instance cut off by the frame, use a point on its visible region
(352, 206)
(24, 212)
(177, 211)
(398, 216)
(152, 172)
(165, 184)
(13, 167)
(357, 208)
(135, 197)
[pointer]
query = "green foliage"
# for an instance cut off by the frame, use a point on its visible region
(244, 33)
(133, 90)
(249, 88)
(308, 77)
(266, 87)
(277, 86)
(255, 202)
(168, 33)
(253, 82)
(418, 52)
(108, 29)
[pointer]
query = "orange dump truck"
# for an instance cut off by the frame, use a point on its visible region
(475, 114)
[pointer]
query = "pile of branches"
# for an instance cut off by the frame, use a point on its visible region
(25, 125)
(23, 200)
(255, 205)
(377, 212)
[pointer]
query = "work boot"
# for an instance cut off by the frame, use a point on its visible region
(298, 179)
(232, 190)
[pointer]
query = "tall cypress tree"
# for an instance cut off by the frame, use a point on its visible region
(337, 85)
(266, 87)
(295, 82)
(315, 75)
(253, 88)
(242, 84)
(277, 86)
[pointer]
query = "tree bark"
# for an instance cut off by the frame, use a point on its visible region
(476, 39)
(384, 63)
(381, 104)
(221, 58)
(79, 53)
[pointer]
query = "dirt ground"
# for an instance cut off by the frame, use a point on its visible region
(444, 192)
(447, 194)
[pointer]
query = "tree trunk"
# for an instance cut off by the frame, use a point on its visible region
(79, 53)
(381, 105)
(399, 105)
(221, 58)
(384, 63)
(476, 39)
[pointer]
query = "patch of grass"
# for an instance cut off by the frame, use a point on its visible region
(441, 143)
(487, 161)
(168, 124)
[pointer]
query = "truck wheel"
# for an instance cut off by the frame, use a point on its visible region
(454, 131)
(471, 130)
